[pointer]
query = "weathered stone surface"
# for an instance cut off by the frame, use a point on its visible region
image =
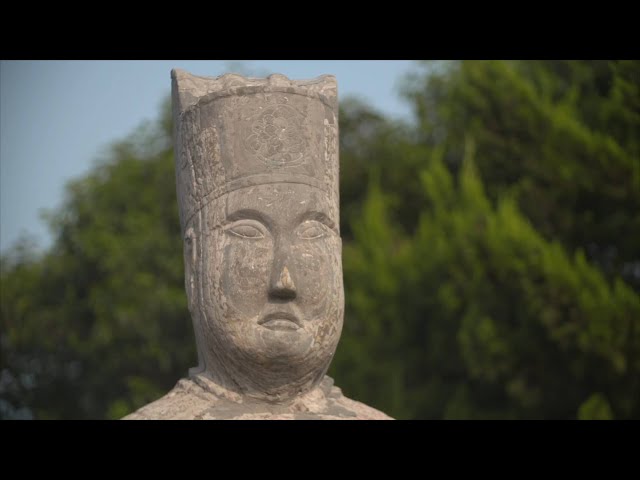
(257, 181)
(198, 398)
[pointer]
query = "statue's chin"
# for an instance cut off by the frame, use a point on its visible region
(273, 362)
(276, 346)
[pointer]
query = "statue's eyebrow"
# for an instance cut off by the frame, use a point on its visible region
(251, 214)
(319, 217)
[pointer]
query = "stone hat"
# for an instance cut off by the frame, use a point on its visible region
(233, 132)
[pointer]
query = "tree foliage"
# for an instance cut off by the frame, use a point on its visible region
(99, 324)
(477, 315)
(491, 258)
(562, 136)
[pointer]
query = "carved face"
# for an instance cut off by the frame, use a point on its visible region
(268, 274)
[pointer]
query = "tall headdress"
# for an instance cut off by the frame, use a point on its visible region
(233, 132)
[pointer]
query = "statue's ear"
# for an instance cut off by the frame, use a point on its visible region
(190, 254)
(190, 272)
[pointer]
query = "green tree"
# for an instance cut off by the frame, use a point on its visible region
(476, 315)
(556, 149)
(562, 136)
(98, 325)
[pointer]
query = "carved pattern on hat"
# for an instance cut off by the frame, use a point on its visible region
(276, 137)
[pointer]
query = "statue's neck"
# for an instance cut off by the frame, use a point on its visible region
(262, 383)
(207, 382)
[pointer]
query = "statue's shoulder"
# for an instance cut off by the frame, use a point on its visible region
(197, 398)
(186, 401)
(361, 410)
(347, 408)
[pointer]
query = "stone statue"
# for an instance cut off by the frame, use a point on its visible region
(257, 182)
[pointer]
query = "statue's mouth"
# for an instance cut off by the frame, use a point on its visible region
(280, 321)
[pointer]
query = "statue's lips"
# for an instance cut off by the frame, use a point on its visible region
(280, 321)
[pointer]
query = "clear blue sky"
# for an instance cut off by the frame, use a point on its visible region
(56, 117)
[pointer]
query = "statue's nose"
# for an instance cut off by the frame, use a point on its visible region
(282, 285)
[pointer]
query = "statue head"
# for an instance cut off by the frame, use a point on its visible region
(257, 183)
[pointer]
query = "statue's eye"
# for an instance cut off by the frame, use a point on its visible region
(312, 230)
(246, 231)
